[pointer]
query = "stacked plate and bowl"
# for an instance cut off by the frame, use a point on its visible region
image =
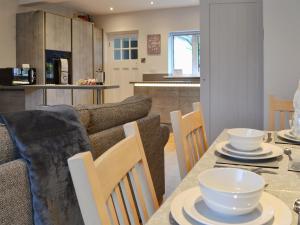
(289, 135)
(229, 196)
(248, 144)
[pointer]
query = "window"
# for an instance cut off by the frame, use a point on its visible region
(184, 54)
(125, 48)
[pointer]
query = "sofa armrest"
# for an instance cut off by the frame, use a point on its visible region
(15, 197)
(165, 133)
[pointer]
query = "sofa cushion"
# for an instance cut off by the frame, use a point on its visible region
(15, 198)
(7, 150)
(84, 115)
(106, 116)
(104, 140)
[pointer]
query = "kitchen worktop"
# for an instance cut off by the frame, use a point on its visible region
(165, 81)
(165, 84)
(27, 97)
(59, 86)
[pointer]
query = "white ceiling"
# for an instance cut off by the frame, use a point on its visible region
(100, 7)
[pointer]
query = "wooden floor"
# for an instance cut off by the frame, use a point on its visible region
(170, 146)
(172, 177)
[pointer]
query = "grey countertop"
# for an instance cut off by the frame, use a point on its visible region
(285, 185)
(182, 77)
(52, 86)
(164, 82)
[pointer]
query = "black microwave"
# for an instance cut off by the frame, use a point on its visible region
(17, 76)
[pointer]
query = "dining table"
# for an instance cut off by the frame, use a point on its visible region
(281, 182)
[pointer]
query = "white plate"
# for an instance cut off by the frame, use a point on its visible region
(276, 152)
(282, 215)
(286, 134)
(291, 133)
(258, 152)
(195, 207)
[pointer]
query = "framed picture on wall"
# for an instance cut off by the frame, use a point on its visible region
(153, 44)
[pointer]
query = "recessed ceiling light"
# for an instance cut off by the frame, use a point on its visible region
(111, 9)
(152, 2)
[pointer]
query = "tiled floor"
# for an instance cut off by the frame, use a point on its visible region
(172, 178)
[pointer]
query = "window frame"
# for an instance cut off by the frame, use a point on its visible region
(171, 50)
(130, 37)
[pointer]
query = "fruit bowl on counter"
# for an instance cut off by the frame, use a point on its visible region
(87, 82)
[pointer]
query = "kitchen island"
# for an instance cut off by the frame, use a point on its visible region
(169, 95)
(26, 97)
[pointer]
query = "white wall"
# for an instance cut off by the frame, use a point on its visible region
(281, 49)
(8, 10)
(151, 22)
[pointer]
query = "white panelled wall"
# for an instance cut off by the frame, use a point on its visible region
(231, 64)
(281, 49)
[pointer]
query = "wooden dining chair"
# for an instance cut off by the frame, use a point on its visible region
(190, 137)
(285, 109)
(117, 187)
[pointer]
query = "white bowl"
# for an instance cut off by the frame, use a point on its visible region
(231, 191)
(245, 139)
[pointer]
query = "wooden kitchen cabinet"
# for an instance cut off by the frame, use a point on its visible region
(58, 32)
(30, 42)
(39, 31)
(82, 58)
(58, 37)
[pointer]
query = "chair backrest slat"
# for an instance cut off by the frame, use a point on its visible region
(284, 108)
(194, 147)
(197, 151)
(118, 199)
(112, 212)
(197, 141)
(282, 120)
(137, 188)
(190, 137)
(129, 201)
(118, 183)
(200, 141)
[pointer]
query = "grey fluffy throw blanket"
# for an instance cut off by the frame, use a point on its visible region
(45, 139)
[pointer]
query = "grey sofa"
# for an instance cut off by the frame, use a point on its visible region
(104, 126)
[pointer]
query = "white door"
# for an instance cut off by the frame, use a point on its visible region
(231, 64)
(122, 65)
